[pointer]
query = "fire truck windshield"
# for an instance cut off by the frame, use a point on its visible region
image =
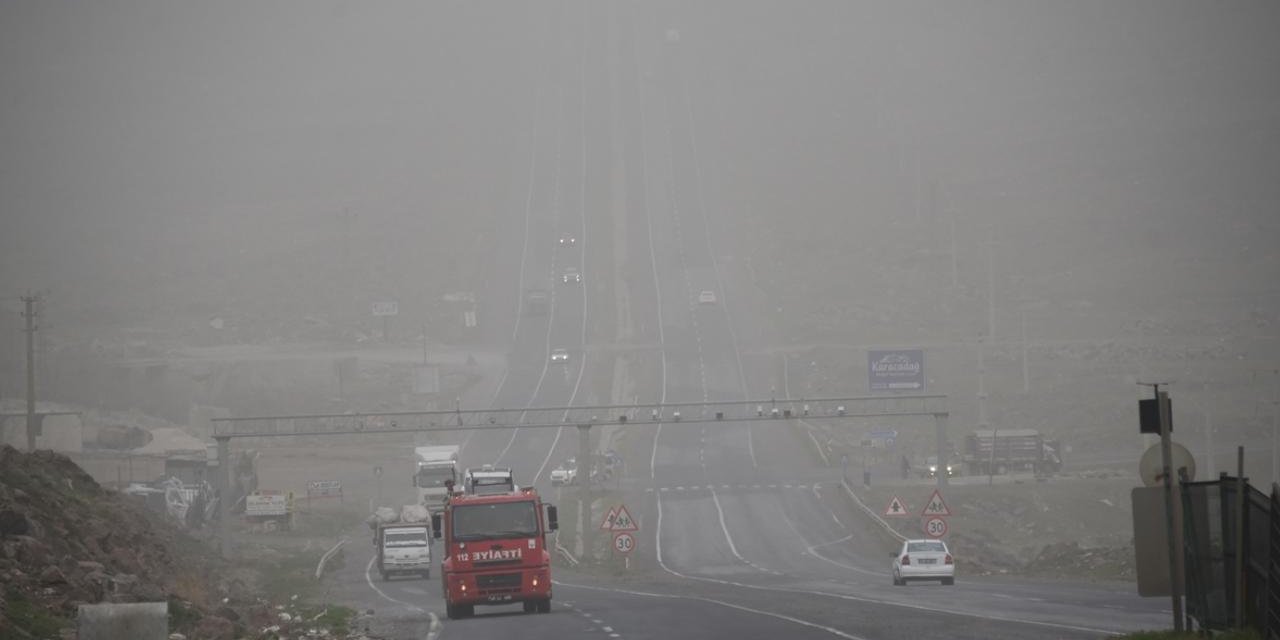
(499, 520)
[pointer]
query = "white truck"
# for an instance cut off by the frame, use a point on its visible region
(402, 541)
(437, 468)
(488, 480)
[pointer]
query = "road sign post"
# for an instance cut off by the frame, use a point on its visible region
(935, 527)
(935, 506)
(896, 507)
(624, 542)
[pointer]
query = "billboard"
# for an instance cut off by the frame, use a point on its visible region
(896, 370)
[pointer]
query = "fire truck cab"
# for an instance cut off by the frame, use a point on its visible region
(495, 551)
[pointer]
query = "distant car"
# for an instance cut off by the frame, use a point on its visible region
(931, 468)
(559, 355)
(923, 560)
(563, 475)
(571, 275)
(707, 297)
(568, 240)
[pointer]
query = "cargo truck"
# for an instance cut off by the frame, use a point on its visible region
(436, 470)
(495, 551)
(1013, 450)
(403, 547)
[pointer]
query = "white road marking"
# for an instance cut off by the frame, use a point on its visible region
(725, 528)
(722, 603)
(367, 578)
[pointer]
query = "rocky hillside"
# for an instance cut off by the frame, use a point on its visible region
(66, 541)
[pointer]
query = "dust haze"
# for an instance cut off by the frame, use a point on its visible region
(1105, 174)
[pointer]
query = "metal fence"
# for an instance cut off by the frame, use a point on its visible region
(1232, 555)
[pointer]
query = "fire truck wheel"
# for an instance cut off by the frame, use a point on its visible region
(544, 606)
(529, 606)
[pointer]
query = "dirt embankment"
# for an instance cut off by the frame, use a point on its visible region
(66, 541)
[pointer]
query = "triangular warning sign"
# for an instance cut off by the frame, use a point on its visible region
(607, 523)
(895, 508)
(623, 520)
(935, 506)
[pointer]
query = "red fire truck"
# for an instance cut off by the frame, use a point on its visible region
(495, 551)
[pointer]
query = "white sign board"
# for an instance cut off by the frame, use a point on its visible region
(266, 505)
(317, 488)
(387, 308)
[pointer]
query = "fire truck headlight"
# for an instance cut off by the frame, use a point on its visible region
(463, 588)
(535, 582)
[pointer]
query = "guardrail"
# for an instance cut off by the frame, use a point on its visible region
(328, 555)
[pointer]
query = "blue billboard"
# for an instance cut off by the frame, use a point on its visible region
(896, 370)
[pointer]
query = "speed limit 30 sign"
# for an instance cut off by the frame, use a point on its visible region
(935, 527)
(624, 542)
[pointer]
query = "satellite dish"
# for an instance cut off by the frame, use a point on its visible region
(1151, 469)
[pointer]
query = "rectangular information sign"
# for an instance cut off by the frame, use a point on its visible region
(896, 370)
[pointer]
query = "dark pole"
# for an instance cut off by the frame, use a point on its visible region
(583, 478)
(30, 315)
(1166, 457)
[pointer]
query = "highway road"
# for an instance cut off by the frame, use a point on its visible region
(743, 535)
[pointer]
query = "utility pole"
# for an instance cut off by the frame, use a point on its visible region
(982, 383)
(1172, 500)
(424, 343)
(955, 260)
(982, 410)
(1275, 441)
(29, 313)
(991, 285)
(1026, 373)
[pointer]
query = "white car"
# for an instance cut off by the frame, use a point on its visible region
(571, 275)
(559, 355)
(707, 297)
(923, 560)
(563, 475)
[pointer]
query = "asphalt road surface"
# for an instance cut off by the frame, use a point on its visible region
(741, 534)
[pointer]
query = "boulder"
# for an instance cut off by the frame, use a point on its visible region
(89, 566)
(14, 523)
(52, 575)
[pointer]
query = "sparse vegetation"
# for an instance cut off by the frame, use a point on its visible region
(28, 617)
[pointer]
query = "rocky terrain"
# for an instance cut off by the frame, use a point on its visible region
(66, 541)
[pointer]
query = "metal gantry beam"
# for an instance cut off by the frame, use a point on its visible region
(548, 417)
(583, 417)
